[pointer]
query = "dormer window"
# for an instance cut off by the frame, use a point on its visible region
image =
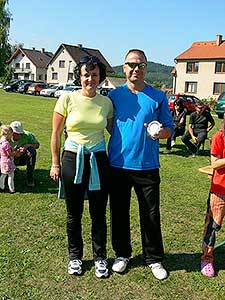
(192, 67)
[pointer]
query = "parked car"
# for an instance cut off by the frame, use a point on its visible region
(220, 106)
(36, 87)
(67, 89)
(188, 102)
(13, 86)
(24, 87)
(105, 91)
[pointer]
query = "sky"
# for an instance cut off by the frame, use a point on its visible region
(162, 28)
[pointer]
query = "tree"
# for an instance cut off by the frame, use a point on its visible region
(5, 49)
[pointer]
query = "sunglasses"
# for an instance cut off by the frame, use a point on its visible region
(133, 65)
(90, 59)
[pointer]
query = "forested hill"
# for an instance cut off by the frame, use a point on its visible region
(155, 73)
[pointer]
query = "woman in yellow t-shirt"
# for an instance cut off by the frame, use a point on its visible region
(85, 166)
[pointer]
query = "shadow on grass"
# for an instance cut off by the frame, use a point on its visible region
(189, 262)
(43, 182)
(181, 150)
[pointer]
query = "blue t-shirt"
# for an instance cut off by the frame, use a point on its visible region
(129, 145)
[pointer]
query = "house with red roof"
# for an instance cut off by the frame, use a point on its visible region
(200, 70)
(30, 64)
(62, 64)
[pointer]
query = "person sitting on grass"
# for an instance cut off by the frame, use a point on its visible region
(216, 201)
(198, 128)
(27, 144)
(179, 119)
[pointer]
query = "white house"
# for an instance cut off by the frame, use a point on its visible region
(62, 64)
(30, 64)
(200, 70)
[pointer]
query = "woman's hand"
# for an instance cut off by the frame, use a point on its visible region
(55, 172)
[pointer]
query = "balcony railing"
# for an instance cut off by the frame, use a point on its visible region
(21, 70)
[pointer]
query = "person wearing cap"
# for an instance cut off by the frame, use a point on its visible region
(26, 144)
(200, 123)
(134, 160)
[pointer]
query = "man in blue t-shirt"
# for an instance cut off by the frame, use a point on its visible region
(134, 160)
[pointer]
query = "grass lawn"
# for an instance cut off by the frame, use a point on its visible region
(33, 244)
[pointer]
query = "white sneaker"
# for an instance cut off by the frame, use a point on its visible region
(75, 267)
(173, 143)
(158, 271)
(120, 264)
(101, 270)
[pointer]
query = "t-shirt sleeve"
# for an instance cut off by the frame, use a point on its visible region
(61, 105)
(216, 145)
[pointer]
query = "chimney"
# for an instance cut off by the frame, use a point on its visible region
(33, 48)
(218, 39)
(79, 45)
(42, 50)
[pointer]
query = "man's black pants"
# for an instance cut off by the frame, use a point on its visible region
(146, 186)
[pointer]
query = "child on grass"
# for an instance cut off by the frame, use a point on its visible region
(216, 201)
(7, 163)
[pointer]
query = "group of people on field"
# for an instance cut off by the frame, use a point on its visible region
(17, 147)
(200, 123)
(85, 169)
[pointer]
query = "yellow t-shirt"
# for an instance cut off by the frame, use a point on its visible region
(86, 118)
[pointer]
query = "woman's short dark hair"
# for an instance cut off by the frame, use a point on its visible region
(90, 62)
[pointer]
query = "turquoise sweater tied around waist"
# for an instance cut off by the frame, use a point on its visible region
(94, 181)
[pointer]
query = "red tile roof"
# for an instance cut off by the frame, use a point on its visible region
(204, 50)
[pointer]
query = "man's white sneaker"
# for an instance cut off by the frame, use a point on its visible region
(101, 270)
(75, 267)
(173, 143)
(120, 264)
(158, 271)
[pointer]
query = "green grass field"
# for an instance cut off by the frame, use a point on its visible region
(33, 244)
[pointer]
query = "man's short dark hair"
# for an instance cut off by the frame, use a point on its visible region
(137, 51)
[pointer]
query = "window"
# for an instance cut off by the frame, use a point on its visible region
(192, 67)
(220, 67)
(218, 87)
(54, 75)
(62, 64)
(39, 77)
(27, 65)
(17, 65)
(70, 76)
(190, 87)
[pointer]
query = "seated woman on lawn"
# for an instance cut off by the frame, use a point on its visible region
(216, 201)
(85, 166)
(179, 118)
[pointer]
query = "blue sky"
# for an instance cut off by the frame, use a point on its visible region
(162, 28)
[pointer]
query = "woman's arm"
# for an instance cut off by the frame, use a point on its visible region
(217, 162)
(58, 123)
(109, 125)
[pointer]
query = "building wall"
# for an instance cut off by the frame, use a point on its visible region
(62, 76)
(205, 78)
(21, 71)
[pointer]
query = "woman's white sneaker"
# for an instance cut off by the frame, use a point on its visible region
(101, 270)
(120, 264)
(158, 271)
(75, 267)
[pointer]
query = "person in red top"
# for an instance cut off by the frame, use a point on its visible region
(216, 201)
